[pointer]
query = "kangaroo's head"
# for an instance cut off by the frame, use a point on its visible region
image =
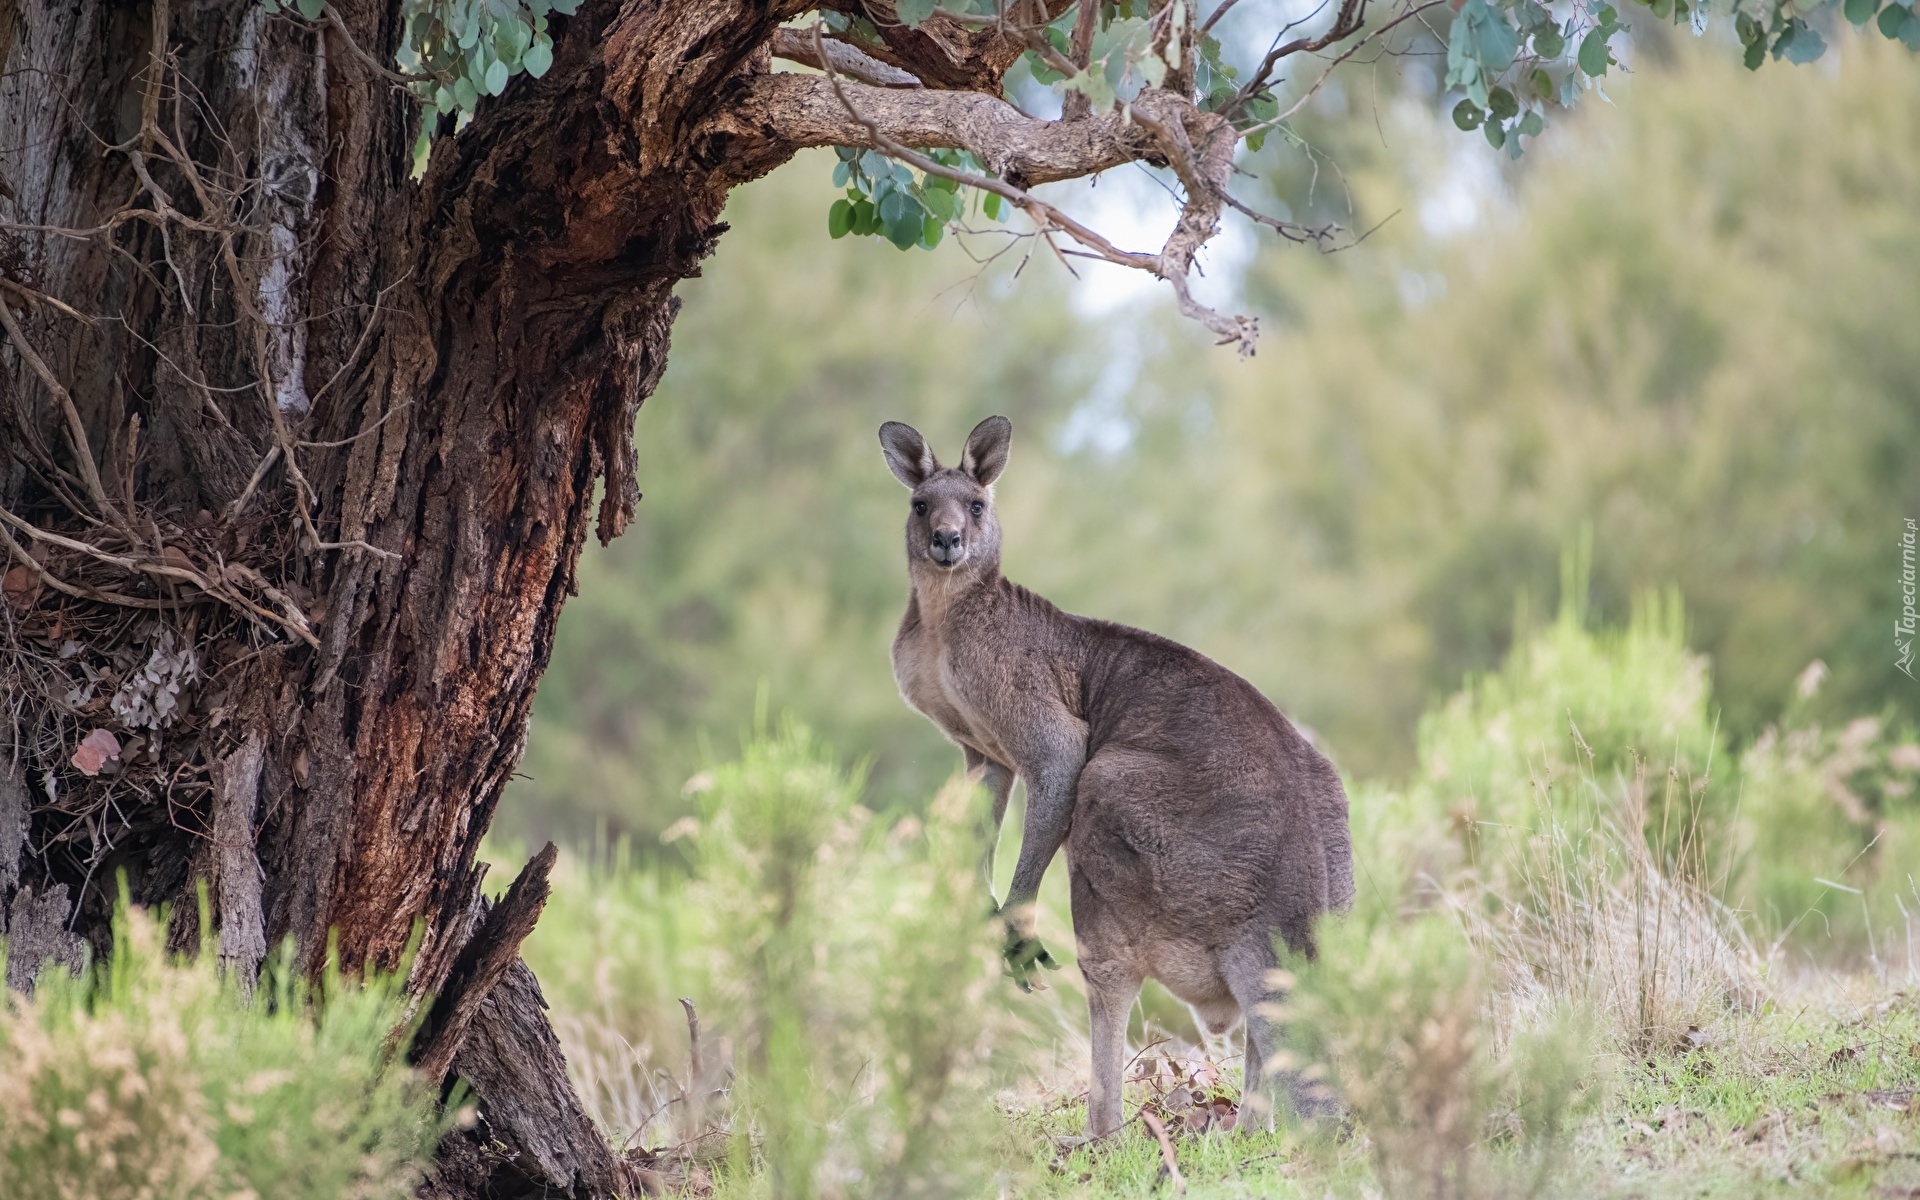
(950, 521)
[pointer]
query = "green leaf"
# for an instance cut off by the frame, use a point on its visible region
(865, 220)
(1495, 43)
(1800, 43)
(1502, 104)
(841, 174)
(539, 59)
(1893, 19)
(465, 95)
(1861, 11)
(443, 100)
(1467, 115)
(905, 232)
(496, 78)
(912, 12)
(1549, 43)
(991, 206)
(930, 236)
(1595, 57)
(1496, 136)
(1532, 124)
(939, 203)
(1542, 84)
(1755, 55)
(272, 7)
(839, 219)
(311, 9)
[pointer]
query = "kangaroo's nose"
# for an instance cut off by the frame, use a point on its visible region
(946, 542)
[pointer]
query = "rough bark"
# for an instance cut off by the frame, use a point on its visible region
(451, 364)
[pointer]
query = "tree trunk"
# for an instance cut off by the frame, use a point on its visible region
(337, 433)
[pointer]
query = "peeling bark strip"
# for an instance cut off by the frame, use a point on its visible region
(13, 822)
(237, 873)
(483, 962)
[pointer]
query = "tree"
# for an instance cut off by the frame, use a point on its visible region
(324, 333)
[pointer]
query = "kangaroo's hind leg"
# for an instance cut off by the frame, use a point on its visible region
(1245, 967)
(1111, 988)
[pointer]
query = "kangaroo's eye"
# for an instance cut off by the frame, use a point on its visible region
(919, 508)
(977, 508)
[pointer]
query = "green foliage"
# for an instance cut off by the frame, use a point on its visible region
(852, 965)
(1397, 1009)
(1832, 833)
(843, 962)
(160, 1080)
(886, 199)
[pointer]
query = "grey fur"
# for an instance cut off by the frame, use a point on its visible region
(1198, 822)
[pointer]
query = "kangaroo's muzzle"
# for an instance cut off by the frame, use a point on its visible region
(947, 550)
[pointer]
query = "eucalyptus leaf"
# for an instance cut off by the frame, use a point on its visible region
(465, 95)
(839, 219)
(496, 78)
(1502, 104)
(1595, 57)
(1549, 43)
(539, 58)
(311, 9)
(1861, 11)
(1467, 115)
(913, 12)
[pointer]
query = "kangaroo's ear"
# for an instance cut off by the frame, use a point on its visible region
(907, 454)
(986, 453)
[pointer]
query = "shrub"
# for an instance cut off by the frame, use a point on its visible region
(149, 1079)
(1398, 1009)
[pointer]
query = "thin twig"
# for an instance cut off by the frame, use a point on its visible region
(1166, 1152)
(76, 429)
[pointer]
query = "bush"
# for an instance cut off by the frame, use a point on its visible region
(149, 1079)
(1398, 1009)
(853, 958)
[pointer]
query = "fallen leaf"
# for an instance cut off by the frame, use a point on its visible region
(21, 585)
(96, 750)
(1179, 1100)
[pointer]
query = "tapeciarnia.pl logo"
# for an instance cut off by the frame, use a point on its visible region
(1903, 626)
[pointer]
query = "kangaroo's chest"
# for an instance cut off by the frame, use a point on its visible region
(925, 670)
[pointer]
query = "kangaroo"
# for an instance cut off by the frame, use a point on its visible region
(1197, 821)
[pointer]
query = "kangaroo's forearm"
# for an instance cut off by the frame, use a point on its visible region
(1050, 796)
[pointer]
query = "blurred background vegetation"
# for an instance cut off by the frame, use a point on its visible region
(1683, 322)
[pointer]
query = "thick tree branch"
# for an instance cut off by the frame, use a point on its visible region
(801, 111)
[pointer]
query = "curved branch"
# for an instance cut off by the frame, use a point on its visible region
(801, 111)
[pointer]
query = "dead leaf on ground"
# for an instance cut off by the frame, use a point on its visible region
(96, 750)
(21, 585)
